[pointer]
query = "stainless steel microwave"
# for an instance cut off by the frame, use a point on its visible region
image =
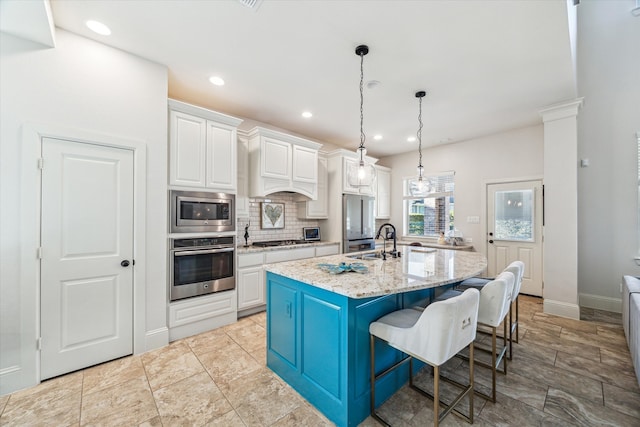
(201, 212)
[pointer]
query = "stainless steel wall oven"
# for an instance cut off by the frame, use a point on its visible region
(201, 266)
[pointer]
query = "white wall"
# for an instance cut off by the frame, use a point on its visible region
(609, 81)
(79, 84)
(509, 155)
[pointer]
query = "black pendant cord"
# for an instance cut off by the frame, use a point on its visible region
(362, 136)
(420, 135)
(420, 95)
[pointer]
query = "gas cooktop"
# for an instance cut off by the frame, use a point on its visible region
(268, 243)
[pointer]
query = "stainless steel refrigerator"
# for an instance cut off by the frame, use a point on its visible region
(358, 223)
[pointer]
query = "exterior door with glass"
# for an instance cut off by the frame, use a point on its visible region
(514, 230)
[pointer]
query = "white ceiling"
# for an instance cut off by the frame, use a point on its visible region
(487, 66)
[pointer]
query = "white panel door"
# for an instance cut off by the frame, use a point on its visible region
(221, 157)
(87, 241)
(514, 229)
(276, 159)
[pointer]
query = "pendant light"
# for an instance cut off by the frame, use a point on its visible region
(421, 185)
(361, 173)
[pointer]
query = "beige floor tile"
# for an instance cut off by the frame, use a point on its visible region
(3, 401)
(612, 342)
(230, 419)
(303, 416)
(111, 373)
(511, 412)
(55, 401)
(194, 401)
(565, 322)
(129, 403)
(260, 408)
(153, 422)
(53, 408)
(228, 363)
(170, 364)
(620, 358)
(260, 319)
(208, 341)
(250, 338)
(240, 389)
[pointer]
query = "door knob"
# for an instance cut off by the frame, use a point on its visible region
(490, 241)
(490, 233)
(125, 263)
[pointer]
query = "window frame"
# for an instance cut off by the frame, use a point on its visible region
(406, 197)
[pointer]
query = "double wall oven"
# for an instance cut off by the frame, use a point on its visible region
(201, 262)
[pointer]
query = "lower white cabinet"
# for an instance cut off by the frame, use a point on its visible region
(192, 316)
(250, 282)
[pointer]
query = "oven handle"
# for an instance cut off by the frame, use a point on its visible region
(201, 252)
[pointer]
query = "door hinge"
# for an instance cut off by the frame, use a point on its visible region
(39, 344)
(40, 252)
(40, 163)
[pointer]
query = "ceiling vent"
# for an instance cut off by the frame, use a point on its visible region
(251, 4)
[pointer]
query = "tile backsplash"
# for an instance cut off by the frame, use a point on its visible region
(292, 225)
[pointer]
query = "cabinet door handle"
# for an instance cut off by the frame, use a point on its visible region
(288, 309)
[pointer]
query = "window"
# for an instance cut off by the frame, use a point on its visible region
(428, 215)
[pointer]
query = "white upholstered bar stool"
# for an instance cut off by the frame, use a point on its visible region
(432, 336)
(513, 324)
(495, 301)
(517, 269)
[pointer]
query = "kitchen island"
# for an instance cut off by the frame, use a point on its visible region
(318, 323)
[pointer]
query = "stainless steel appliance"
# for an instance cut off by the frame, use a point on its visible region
(200, 211)
(311, 234)
(358, 223)
(201, 266)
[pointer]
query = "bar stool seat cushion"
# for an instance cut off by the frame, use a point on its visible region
(435, 334)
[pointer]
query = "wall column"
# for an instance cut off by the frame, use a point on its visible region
(560, 247)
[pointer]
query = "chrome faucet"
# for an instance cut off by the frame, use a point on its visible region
(394, 253)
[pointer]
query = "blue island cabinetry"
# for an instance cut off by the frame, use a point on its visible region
(318, 342)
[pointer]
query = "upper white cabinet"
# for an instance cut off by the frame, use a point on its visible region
(242, 196)
(382, 206)
(281, 162)
(319, 208)
(202, 148)
(340, 161)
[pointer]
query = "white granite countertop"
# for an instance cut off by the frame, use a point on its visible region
(465, 247)
(417, 268)
(241, 249)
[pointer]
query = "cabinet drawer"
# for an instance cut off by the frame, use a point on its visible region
(327, 250)
(289, 255)
(201, 308)
(249, 260)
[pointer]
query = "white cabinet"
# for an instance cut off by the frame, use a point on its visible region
(281, 162)
(242, 196)
(382, 206)
(202, 148)
(348, 189)
(193, 316)
(250, 283)
(319, 208)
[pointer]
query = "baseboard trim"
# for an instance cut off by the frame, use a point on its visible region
(561, 308)
(156, 338)
(598, 302)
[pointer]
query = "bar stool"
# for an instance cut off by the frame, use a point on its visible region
(432, 336)
(495, 304)
(517, 269)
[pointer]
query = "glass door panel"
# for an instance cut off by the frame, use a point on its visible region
(514, 215)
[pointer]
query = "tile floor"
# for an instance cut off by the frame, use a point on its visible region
(564, 372)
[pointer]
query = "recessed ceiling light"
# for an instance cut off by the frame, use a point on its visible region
(216, 81)
(377, 137)
(307, 114)
(411, 139)
(98, 27)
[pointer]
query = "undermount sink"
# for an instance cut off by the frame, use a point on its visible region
(366, 256)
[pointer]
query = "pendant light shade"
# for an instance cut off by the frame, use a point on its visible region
(420, 186)
(361, 173)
